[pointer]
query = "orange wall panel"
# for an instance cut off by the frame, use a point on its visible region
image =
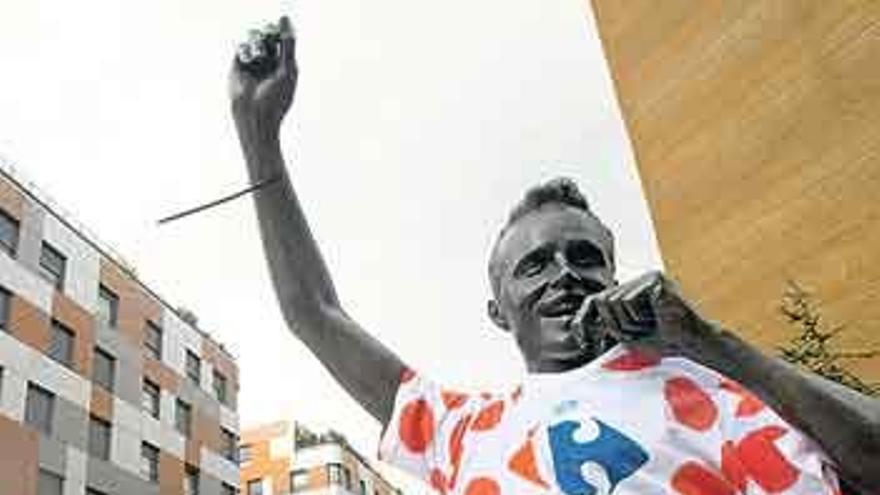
(136, 306)
(82, 323)
(171, 471)
(11, 201)
(18, 457)
(101, 404)
(29, 324)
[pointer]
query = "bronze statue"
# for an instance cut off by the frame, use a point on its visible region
(555, 292)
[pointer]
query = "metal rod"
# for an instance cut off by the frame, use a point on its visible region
(216, 202)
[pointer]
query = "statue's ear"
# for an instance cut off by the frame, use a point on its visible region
(494, 310)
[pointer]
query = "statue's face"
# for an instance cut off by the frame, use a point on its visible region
(546, 264)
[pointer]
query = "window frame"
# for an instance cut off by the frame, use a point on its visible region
(29, 418)
(151, 328)
(193, 367)
(111, 360)
(12, 221)
(343, 473)
(5, 309)
(58, 328)
(101, 426)
(48, 272)
(106, 294)
(152, 460)
(44, 474)
(245, 453)
(296, 474)
(220, 378)
(252, 483)
(191, 485)
(155, 406)
(228, 443)
(179, 406)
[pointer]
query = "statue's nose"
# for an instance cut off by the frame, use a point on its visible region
(567, 275)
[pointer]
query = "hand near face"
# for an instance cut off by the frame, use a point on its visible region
(646, 312)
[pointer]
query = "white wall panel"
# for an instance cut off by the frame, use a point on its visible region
(281, 447)
(44, 371)
(229, 418)
(219, 467)
(13, 395)
(180, 337)
(74, 471)
(126, 449)
(25, 283)
(317, 456)
(151, 430)
(83, 262)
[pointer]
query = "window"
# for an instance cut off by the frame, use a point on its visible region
(49, 483)
(363, 487)
(191, 481)
(193, 367)
(108, 307)
(244, 453)
(153, 340)
(299, 480)
(61, 347)
(5, 300)
(255, 487)
(220, 387)
(228, 439)
(8, 233)
(99, 438)
(103, 369)
(337, 474)
(39, 408)
(52, 265)
(227, 489)
(183, 417)
(149, 462)
(150, 398)
(92, 491)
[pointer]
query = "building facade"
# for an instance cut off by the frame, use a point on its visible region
(284, 457)
(105, 389)
(756, 128)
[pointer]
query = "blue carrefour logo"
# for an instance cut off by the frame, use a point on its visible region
(618, 455)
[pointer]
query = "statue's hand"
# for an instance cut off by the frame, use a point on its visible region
(263, 77)
(648, 312)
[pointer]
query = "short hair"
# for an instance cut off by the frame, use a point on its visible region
(561, 191)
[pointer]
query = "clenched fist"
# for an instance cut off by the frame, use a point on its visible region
(263, 77)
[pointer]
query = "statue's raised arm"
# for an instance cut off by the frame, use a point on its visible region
(262, 86)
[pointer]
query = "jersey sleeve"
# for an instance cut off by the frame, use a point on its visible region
(422, 436)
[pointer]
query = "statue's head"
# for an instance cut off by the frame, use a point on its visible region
(551, 254)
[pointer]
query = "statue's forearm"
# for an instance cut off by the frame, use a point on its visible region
(844, 422)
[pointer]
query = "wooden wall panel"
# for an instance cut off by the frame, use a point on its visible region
(756, 128)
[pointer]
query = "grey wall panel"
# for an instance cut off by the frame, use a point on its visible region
(52, 454)
(109, 478)
(203, 402)
(129, 364)
(30, 235)
(71, 424)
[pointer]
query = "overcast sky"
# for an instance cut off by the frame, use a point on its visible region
(416, 126)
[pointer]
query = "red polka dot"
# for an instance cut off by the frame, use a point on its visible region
(732, 467)
(764, 462)
(453, 400)
(633, 360)
(456, 447)
(489, 417)
(690, 405)
(407, 375)
(417, 426)
(482, 486)
(749, 404)
(694, 479)
(438, 480)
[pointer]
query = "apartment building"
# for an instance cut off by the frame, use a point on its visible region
(756, 129)
(285, 457)
(105, 389)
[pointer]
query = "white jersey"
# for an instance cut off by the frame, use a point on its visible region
(627, 423)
